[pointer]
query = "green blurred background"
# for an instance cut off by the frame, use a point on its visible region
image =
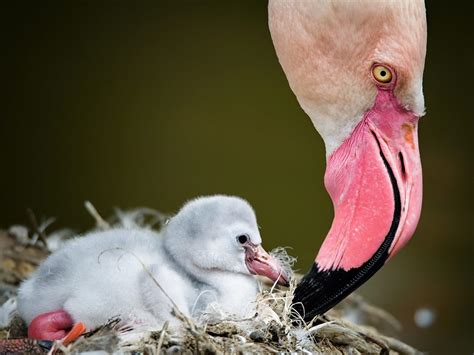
(152, 103)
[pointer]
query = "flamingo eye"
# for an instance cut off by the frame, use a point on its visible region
(382, 74)
(242, 239)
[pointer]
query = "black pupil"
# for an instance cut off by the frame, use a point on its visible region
(242, 239)
(383, 73)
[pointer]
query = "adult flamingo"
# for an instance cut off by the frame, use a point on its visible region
(356, 69)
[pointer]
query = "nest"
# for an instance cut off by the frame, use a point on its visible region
(353, 327)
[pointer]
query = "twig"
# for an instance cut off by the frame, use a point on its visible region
(99, 221)
(400, 346)
(36, 228)
(383, 346)
(162, 337)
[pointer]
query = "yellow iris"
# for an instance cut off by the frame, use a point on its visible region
(382, 74)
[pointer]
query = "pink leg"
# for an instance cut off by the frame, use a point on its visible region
(50, 326)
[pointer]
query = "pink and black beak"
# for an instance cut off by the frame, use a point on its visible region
(374, 180)
(259, 262)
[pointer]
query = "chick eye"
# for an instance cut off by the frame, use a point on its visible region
(382, 74)
(242, 239)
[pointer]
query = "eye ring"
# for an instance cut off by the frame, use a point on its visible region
(382, 74)
(242, 239)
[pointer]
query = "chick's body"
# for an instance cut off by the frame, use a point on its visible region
(101, 276)
(133, 274)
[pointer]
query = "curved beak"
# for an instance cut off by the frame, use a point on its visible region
(374, 180)
(259, 262)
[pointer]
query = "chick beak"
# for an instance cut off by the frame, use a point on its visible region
(259, 262)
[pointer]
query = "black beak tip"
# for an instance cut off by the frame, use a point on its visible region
(319, 290)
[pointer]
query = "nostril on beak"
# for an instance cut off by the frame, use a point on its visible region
(402, 164)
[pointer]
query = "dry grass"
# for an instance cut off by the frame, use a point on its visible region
(269, 331)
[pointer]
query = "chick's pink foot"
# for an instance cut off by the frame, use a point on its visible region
(55, 325)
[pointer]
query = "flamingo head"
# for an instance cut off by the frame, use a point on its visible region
(356, 69)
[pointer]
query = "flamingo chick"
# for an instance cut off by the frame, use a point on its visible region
(356, 68)
(207, 253)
